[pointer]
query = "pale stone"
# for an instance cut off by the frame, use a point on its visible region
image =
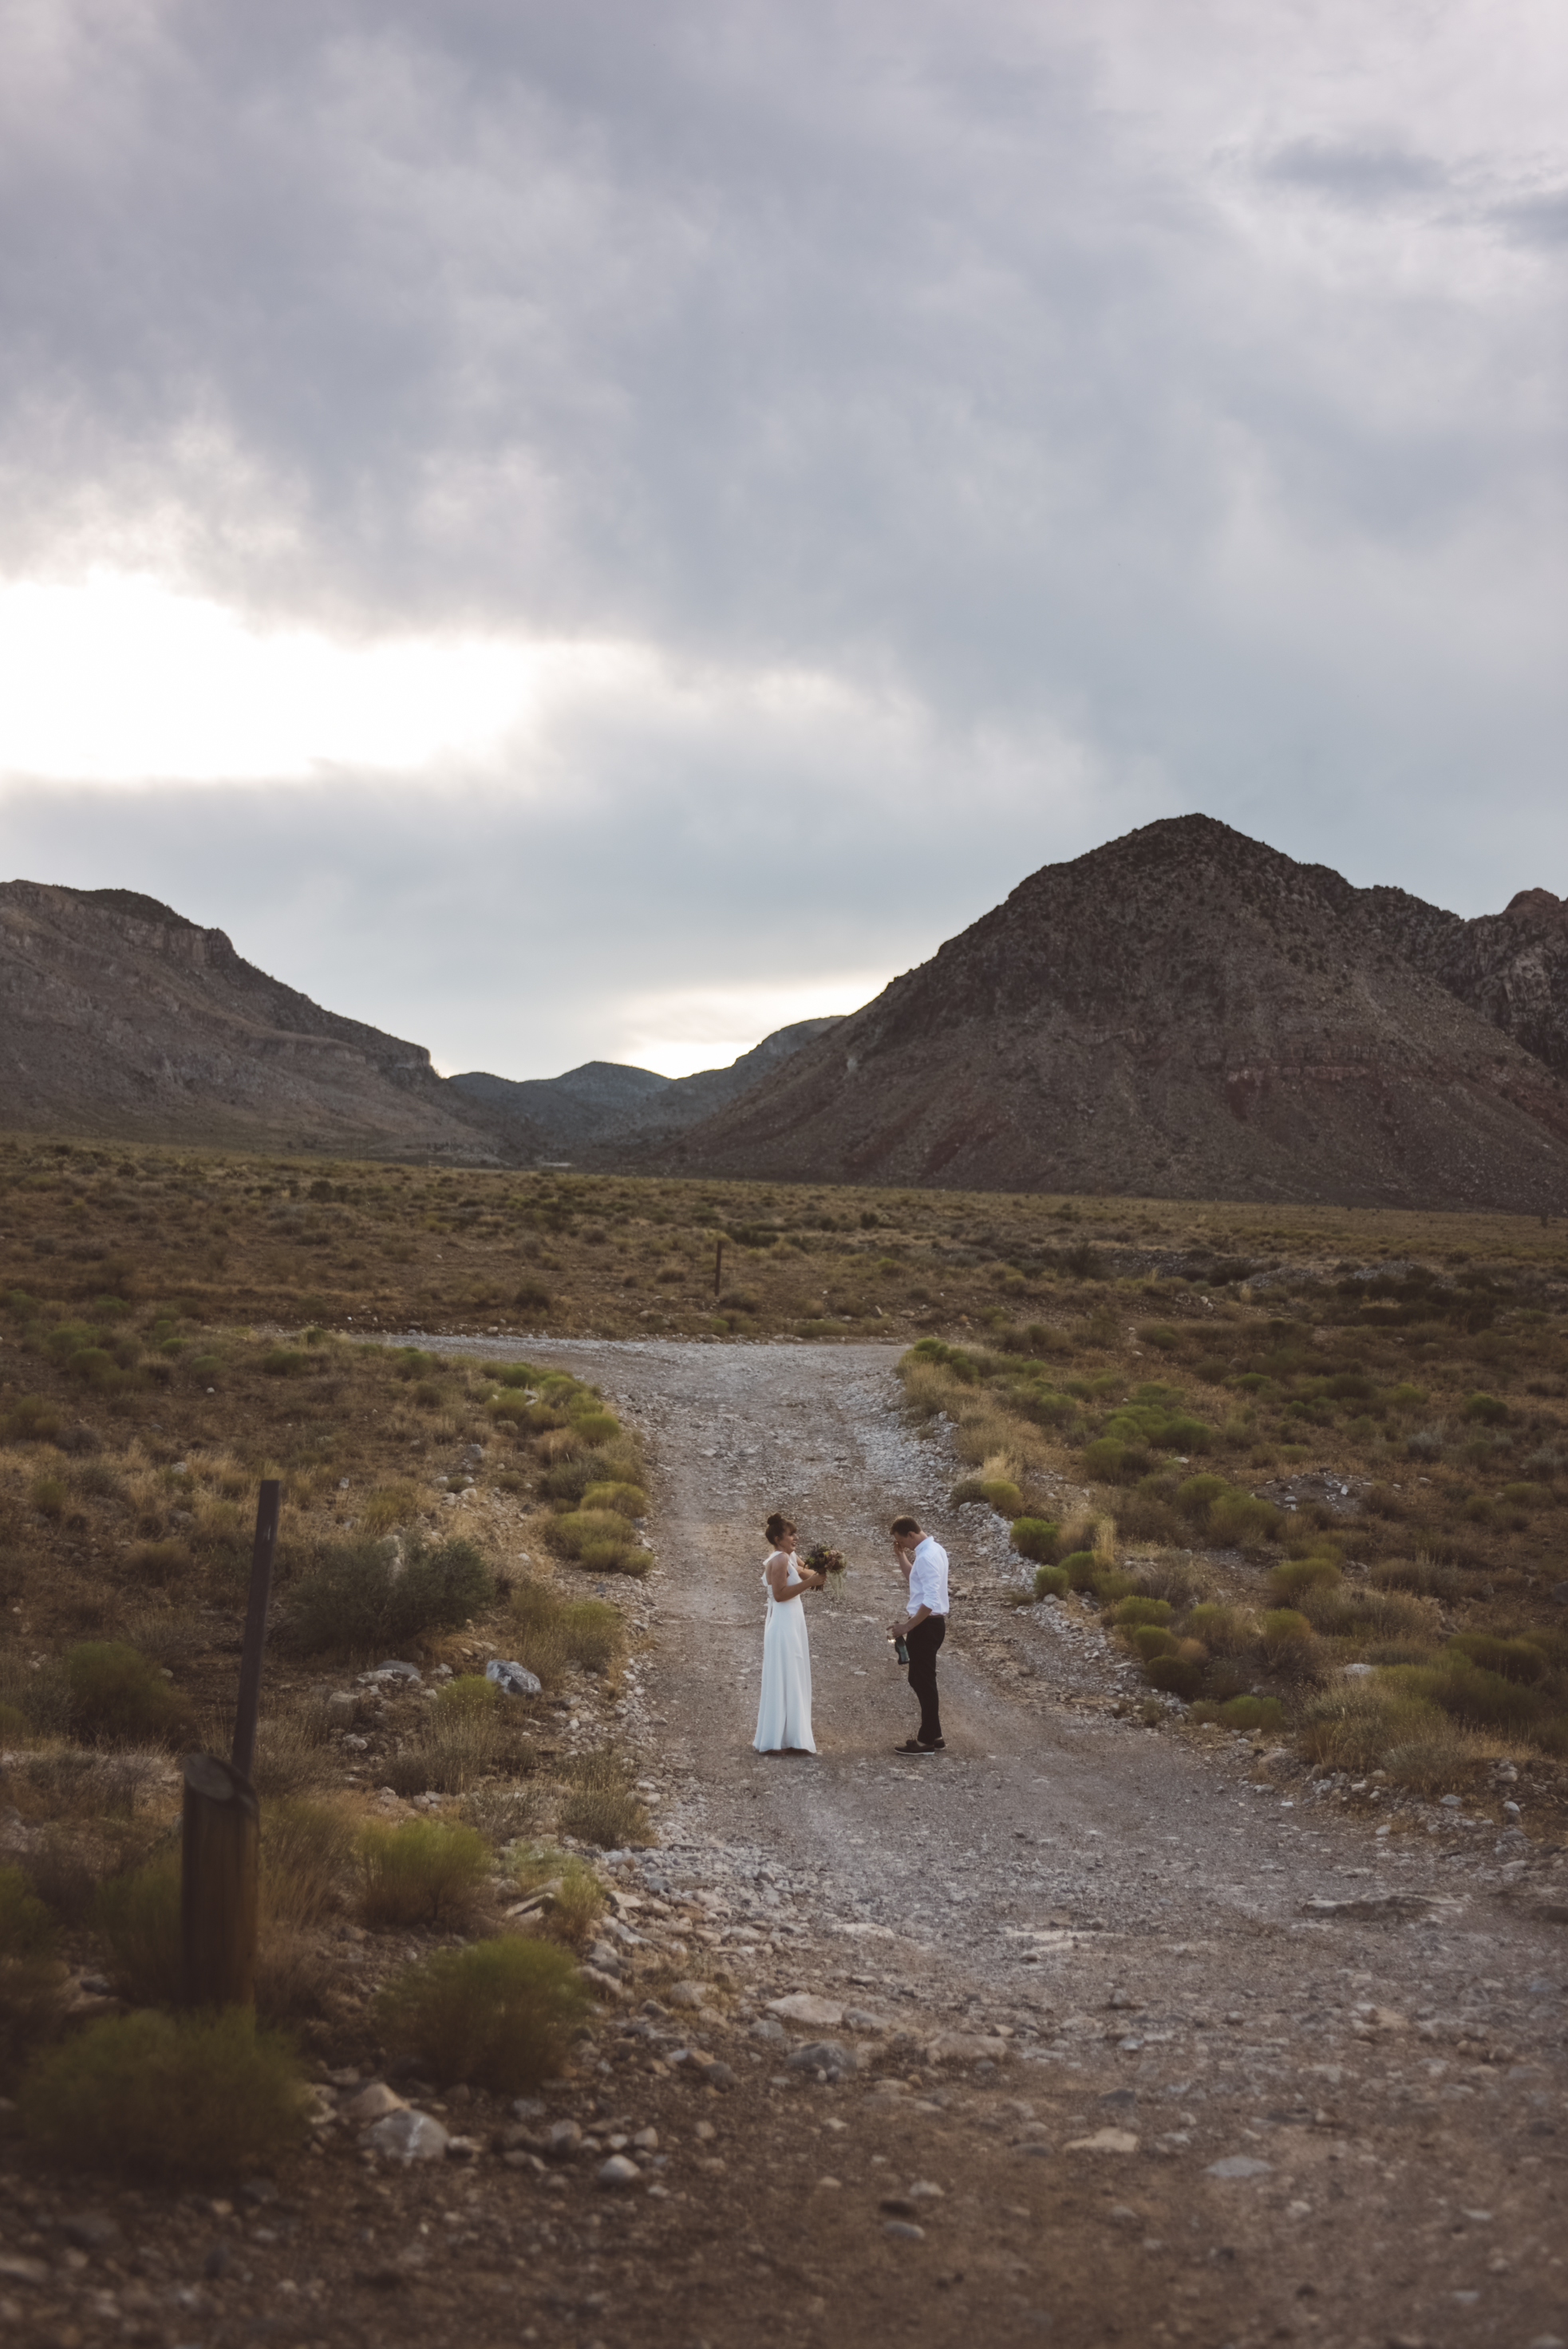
(804, 2006)
(1106, 2140)
(373, 2103)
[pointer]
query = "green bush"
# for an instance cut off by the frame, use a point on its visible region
(1488, 1410)
(33, 1419)
(1223, 1630)
(48, 1495)
(1296, 1576)
(202, 2098)
(1003, 1496)
(602, 1809)
(1245, 1712)
(1082, 1568)
(1140, 1608)
(1239, 1521)
(502, 2012)
(1286, 1635)
(1036, 1538)
(118, 1697)
(421, 1872)
(135, 1918)
(1050, 1581)
(356, 1601)
(626, 1500)
(597, 1424)
(598, 1539)
(26, 1928)
(1510, 1659)
(282, 1363)
(1149, 1640)
(1176, 1675)
(470, 1692)
(305, 1851)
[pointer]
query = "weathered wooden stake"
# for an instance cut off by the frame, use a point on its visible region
(718, 1267)
(221, 1837)
(218, 1867)
(249, 1706)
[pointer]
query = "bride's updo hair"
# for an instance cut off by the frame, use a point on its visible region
(777, 1527)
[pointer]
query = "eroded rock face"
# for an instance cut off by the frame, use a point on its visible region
(1188, 1013)
(119, 1016)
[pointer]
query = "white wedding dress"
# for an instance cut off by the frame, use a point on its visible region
(783, 1710)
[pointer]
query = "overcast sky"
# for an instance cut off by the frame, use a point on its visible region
(589, 532)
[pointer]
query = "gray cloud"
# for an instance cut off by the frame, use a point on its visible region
(924, 350)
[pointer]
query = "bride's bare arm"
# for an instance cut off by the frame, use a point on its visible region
(780, 1584)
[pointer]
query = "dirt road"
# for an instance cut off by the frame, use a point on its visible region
(1331, 2125)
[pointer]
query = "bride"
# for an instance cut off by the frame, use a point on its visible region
(784, 1712)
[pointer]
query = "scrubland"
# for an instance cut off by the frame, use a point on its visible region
(174, 1327)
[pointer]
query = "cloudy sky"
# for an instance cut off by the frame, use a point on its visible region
(594, 531)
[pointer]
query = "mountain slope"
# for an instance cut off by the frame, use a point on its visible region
(605, 1101)
(118, 1015)
(1184, 1011)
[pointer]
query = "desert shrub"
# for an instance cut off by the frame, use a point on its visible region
(1177, 1674)
(1035, 1538)
(1195, 1495)
(420, 1872)
(1286, 1635)
(1479, 1698)
(1140, 1608)
(468, 1694)
(1296, 1576)
(1003, 1496)
(594, 1633)
(1512, 1660)
(1110, 1460)
(1487, 1410)
(503, 2011)
(626, 1500)
(33, 1419)
(1081, 1568)
(1352, 1727)
(1147, 1516)
(1224, 1630)
(602, 1807)
(357, 1601)
(577, 1898)
(1240, 1521)
(1426, 1442)
(533, 1297)
(203, 2097)
(118, 1697)
(1149, 1640)
(457, 1747)
(599, 1540)
(1423, 1576)
(156, 1564)
(26, 1928)
(596, 1425)
(282, 1363)
(135, 1918)
(307, 1853)
(390, 1506)
(1051, 1582)
(48, 1495)
(1440, 1757)
(1160, 1336)
(1245, 1712)
(295, 1753)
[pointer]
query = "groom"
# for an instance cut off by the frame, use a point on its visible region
(924, 1624)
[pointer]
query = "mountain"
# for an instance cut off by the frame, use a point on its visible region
(119, 1016)
(1186, 1012)
(607, 1103)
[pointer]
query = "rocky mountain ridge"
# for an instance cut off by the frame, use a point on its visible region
(1186, 1012)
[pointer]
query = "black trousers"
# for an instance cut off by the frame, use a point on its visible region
(923, 1643)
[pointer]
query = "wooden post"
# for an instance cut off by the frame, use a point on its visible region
(220, 1849)
(718, 1268)
(249, 1707)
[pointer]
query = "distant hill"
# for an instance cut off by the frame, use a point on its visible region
(119, 1016)
(606, 1103)
(1186, 1012)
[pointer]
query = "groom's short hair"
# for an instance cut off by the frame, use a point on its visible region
(903, 1527)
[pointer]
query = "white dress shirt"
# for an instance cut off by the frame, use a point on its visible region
(929, 1578)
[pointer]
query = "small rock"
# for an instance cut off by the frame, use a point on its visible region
(1106, 2140)
(820, 2055)
(767, 2029)
(1357, 1671)
(15, 2268)
(408, 2137)
(1452, 1802)
(514, 1679)
(926, 2189)
(619, 2171)
(341, 1708)
(804, 2006)
(605, 1955)
(397, 1670)
(687, 1995)
(373, 2103)
(562, 2139)
(647, 2140)
(714, 2074)
(905, 2229)
(463, 2149)
(1238, 2165)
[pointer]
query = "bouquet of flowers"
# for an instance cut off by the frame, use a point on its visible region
(830, 1563)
